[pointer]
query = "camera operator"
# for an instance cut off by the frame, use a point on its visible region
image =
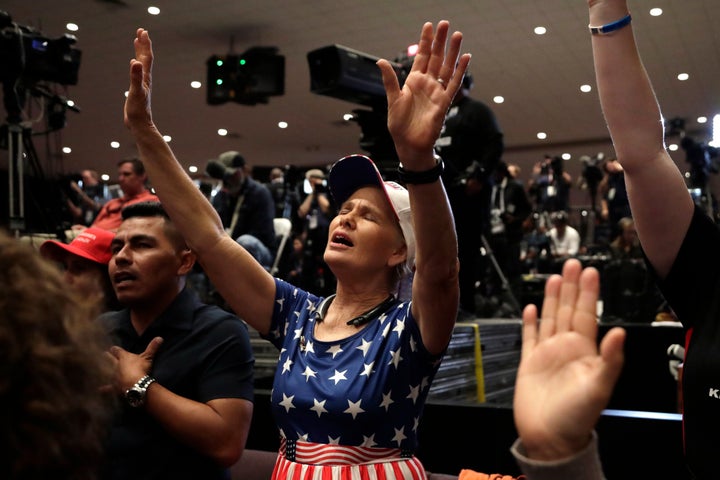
(614, 203)
(245, 206)
(88, 196)
(315, 212)
(550, 185)
(471, 145)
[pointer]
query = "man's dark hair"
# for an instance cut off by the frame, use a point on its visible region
(137, 164)
(155, 209)
(144, 209)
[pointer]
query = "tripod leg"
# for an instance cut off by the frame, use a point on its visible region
(15, 179)
(503, 279)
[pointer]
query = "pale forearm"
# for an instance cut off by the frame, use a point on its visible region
(660, 203)
(191, 212)
(628, 102)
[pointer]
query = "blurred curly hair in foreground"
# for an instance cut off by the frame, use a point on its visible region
(53, 414)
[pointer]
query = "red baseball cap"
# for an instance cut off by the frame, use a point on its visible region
(92, 244)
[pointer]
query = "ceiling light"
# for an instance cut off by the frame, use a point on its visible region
(348, 116)
(195, 84)
(67, 150)
(585, 88)
(222, 132)
(540, 30)
(542, 135)
(153, 10)
(105, 177)
(673, 147)
(282, 124)
(167, 138)
(72, 27)
(566, 156)
(656, 12)
(498, 99)
(193, 169)
(702, 119)
(115, 144)
(683, 76)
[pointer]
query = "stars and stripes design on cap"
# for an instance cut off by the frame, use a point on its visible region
(367, 390)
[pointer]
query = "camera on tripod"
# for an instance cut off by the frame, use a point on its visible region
(28, 55)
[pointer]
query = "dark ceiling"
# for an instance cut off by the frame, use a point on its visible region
(538, 75)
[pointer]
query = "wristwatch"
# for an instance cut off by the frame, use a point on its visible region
(135, 396)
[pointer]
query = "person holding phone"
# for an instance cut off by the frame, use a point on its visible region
(315, 213)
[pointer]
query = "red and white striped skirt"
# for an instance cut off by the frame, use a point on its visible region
(315, 461)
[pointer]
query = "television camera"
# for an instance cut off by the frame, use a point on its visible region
(28, 55)
(341, 72)
(30, 60)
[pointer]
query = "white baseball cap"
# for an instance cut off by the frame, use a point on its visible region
(355, 171)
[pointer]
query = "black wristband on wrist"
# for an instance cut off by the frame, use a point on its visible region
(420, 178)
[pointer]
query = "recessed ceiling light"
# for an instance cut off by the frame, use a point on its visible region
(566, 156)
(222, 132)
(348, 116)
(673, 147)
(540, 30)
(67, 150)
(498, 99)
(656, 12)
(72, 27)
(195, 84)
(167, 138)
(702, 119)
(193, 169)
(282, 124)
(105, 177)
(542, 135)
(585, 88)
(115, 144)
(153, 10)
(683, 76)
(126, 93)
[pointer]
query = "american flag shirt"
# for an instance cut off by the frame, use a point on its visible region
(367, 390)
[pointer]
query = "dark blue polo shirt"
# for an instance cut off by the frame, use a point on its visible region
(206, 354)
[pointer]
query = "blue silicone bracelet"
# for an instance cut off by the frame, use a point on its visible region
(611, 27)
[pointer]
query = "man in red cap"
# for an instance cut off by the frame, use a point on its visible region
(84, 262)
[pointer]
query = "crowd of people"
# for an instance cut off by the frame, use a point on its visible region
(166, 381)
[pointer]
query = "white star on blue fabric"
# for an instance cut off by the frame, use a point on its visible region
(318, 407)
(309, 372)
(399, 435)
(335, 349)
(354, 408)
(286, 366)
(369, 441)
(287, 402)
(364, 347)
(395, 358)
(338, 376)
(414, 393)
(367, 369)
(387, 400)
